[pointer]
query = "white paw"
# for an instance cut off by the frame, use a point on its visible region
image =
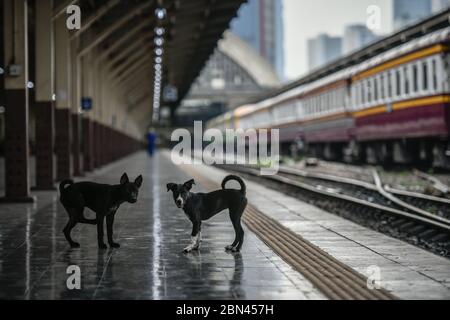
(188, 249)
(195, 244)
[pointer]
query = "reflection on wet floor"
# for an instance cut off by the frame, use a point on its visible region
(34, 255)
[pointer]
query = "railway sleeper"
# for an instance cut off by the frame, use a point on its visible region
(418, 229)
(440, 237)
(427, 234)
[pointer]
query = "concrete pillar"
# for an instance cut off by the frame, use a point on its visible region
(88, 125)
(97, 116)
(63, 114)
(75, 106)
(17, 177)
(44, 86)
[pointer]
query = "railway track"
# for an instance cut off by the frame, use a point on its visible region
(416, 218)
(433, 208)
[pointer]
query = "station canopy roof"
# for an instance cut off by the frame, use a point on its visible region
(125, 33)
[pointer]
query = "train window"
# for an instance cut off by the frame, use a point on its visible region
(330, 100)
(398, 82)
(337, 103)
(314, 106)
(415, 78)
(369, 90)
(358, 95)
(317, 104)
(375, 89)
(363, 93)
(382, 86)
(389, 84)
(406, 79)
(434, 73)
(323, 102)
(425, 76)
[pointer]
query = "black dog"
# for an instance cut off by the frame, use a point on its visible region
(103, 199)
(202, 206)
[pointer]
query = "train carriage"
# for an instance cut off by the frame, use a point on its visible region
(393, 107)
(401, 102)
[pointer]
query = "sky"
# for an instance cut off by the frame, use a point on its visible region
(304, 19)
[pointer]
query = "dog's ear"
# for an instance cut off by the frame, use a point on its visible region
(189, 184)
(138, 181)
(171, 186)
(124, 179)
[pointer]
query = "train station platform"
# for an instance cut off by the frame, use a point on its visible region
(34, 255)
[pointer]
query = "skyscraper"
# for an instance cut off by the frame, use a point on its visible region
(260, 24)
(323, 49)
(438, 5)
(409, 11)
(357, 36)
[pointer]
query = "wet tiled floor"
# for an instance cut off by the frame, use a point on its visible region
(34, 255)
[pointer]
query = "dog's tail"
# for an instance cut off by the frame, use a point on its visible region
(63, 184)
(236, 178)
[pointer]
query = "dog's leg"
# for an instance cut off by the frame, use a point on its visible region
(241, 233)
(236, 232)
(100, 219)
(235, 216)
(109, 231)
(241, 239)
(82, 218)
(68, 228)
(195, 237)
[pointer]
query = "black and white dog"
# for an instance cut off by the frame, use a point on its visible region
(202, 206)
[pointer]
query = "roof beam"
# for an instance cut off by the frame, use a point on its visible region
(113, 27)
(137, 77)
(139, 102)
(134, 68)
(116, 45)
(62, 8)
(94, 17)
(136, 93)
(123, 54)
(134, 58)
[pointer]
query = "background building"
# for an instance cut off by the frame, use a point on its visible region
(356, 36)
(260, 24)
(234, 74)
(438, 5)
(409, 11)
(323, 49)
